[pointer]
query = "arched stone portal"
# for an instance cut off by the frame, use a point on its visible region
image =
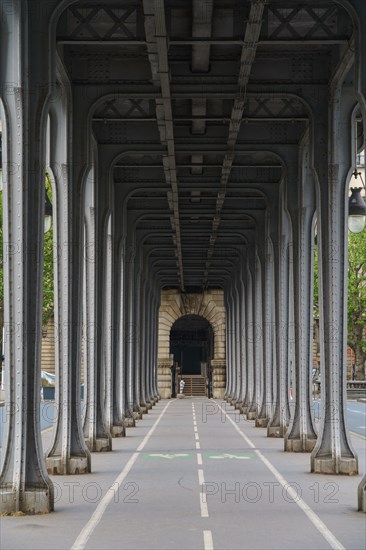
(208, 306)
(192, 346)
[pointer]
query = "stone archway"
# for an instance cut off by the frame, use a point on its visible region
(210, 306)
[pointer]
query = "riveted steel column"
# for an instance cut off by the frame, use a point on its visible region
(98, 438)
(144, 403)
(265, 408)
(237, 364)
(256, 268)
(241, 337)
(137, 338)
(249, 344)
(333, 452)
(118, 365)
(361, 95)
(129, 264)
(229, 348)
(67, 453)
(108, 328)
(301, 435)
(148, 336)
(156, 303)
(24, 482)
(88, 298)
(153, 342)
(279, 420)
(234, 381)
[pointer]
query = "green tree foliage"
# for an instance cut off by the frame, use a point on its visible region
(356, 297)
(48, 295)
(48, 299)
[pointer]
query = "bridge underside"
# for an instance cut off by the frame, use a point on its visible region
(192, 147)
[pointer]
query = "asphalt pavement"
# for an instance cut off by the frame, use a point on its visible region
(194, 474)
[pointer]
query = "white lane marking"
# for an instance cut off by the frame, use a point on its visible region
(194, 423)
(207, 540)
(88, 529)
(358, 412)
(195, 429)
(203, 497)
(196, 436)
(313, 517)
(199, 459)
(198, 445)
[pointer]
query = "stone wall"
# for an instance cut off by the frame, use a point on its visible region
(209, 305)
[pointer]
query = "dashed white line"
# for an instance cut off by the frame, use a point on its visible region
(195, 429)
(198, 445)
(313, 517)
(199, 459)
(207, 540)
(88, 529)
(196, 436)
(203, 497)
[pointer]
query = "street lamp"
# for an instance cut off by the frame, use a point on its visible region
(356, 207)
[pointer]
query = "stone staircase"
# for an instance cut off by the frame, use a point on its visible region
(195, 385)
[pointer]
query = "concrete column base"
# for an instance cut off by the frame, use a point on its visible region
(99, 445)
(118, 431)
(37, 501)
(276, 431)
(149, 405)
(261, 422)
(130, 422)
(73, 465)
(137, 415)
(144, 409)
(303, 445)
(238, 405)
(331, 465)
(244, 410)
(362, 495)
(251, 415)
(180, 396)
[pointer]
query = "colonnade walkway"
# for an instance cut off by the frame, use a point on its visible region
(193, 474)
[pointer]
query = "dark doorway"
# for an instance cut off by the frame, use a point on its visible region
(191, 343)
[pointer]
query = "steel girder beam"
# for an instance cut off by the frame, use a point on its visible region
(157, 48)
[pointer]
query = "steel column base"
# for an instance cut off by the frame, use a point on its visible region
(35, 501)
(303, 445)
(118, 431)
(72, 465)
(261, 422)
(331, 465)
(99, 445)
(276, 431)
(362, 495)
